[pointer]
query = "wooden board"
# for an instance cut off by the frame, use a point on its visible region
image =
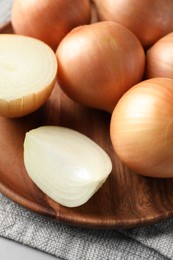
(125, 200)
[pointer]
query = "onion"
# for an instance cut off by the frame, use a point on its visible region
(65, 164)
(142, 128)
(49, 20)
(159, 58)
(149, 20)
(94, 17)
(98, 63)
(28, 69)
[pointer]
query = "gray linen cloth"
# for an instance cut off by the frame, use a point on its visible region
(5, 10)
(73, 243)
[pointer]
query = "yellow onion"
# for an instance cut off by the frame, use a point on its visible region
(49, 20)
(149, 20)
(159, 58)
(142, 128)
(98, 63)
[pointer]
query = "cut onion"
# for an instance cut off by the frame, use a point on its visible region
(28, 69)
(66, 165)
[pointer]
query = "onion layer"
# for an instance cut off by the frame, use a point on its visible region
(65, 164)
(28, 69)
(49, 20)
(159, 58)
(142, 128)
(98, 63)
(149, 20)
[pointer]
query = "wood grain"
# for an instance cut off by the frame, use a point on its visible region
(126, 199)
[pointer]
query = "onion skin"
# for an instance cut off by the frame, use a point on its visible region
(159, 58)
(149, 20)
(98, 63)
(141, 128)
(27, 104)
(49, 20)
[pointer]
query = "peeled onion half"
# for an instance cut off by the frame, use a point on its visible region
(28, 69)
(65, 164)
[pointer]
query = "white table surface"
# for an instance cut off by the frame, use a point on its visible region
(11, 250)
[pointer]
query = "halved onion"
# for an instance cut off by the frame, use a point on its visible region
(28, 69)
(66, 165)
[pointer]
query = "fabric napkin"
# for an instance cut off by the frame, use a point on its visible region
(5, 10)
(73, 243)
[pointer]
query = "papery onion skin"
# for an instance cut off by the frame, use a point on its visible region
(141, 128)
(159, 58)
(66, 165)
(49, 20)
(98, 63)
(149, 20)
(27, 104)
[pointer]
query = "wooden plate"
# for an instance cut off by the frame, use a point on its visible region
(125, 200)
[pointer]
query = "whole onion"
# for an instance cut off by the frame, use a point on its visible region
(149, 20)
(98, 63)
(142, 128)
(159, 58)
(49, 20)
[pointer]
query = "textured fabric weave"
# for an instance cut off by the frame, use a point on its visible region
(5, 9)
(73, 243)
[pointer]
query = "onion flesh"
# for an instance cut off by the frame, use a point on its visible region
(65, 164)
(142, 128)
(28, 69)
